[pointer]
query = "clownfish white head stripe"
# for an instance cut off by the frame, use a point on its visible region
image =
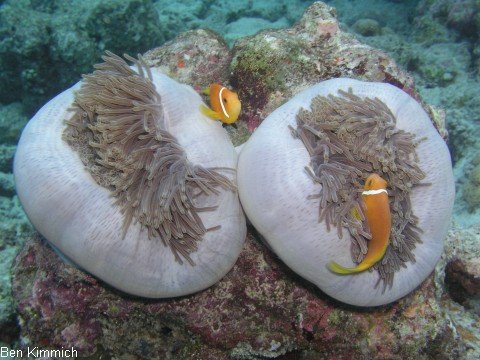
(220, 94)
(374, 192)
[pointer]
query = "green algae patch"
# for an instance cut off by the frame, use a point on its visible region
(266, 66)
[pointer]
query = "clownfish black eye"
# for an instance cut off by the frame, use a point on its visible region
(224, 100)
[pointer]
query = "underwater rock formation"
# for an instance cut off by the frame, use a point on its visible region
(45, 30)
(471, 190)
(14, 225)
(461, 15)
(260, 309)
(270, 67)
(462, 270)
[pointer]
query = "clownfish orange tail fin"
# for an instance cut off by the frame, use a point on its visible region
(206, 91)
(339, 269)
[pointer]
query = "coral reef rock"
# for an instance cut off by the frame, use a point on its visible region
(33, 30)
(259, 309)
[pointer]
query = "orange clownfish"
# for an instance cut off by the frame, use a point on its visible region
(224, 103)
(378, 217)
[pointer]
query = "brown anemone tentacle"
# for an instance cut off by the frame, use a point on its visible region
(117, 131)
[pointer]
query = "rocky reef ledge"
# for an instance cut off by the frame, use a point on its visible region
(261, 309)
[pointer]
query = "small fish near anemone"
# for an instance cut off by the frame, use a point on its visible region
(300, 173)
(377, 213)
(132, 185)
(224, 104)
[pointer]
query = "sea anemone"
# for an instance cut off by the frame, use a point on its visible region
(301, 174)
(125, 177)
